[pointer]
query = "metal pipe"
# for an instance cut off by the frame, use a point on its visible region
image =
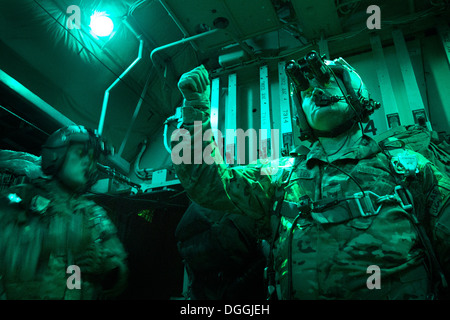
(130, 27)
(135, 114)
(29, 96)
(176, 21)
(201, 35)
(106, 97)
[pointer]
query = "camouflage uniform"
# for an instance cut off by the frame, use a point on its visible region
(332, 250)
(44, 229)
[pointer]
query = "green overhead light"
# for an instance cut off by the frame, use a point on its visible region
(101, 25)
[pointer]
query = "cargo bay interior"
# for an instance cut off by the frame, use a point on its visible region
(56, 71)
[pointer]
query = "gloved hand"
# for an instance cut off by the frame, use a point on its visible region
(195, 87)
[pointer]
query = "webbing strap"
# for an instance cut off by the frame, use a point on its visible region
(361, 204)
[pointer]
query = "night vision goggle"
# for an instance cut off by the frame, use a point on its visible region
(101, 146)
(311, 66)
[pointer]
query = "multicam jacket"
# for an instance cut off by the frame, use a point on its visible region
(43, 230)
(333, 250)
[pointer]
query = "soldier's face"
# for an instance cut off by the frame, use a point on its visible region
(325, 118)
(77, 166)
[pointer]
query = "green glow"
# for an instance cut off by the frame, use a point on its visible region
(14, 198)
(101, 25)
(286, 223)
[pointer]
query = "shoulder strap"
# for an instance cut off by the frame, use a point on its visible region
(275, 220)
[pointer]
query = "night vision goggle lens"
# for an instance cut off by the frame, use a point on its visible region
(296, 75)
(311, 66)
(318, 68)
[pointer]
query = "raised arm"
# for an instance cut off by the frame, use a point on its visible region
(209, 182)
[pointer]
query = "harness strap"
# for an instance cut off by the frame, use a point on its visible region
(331, 210)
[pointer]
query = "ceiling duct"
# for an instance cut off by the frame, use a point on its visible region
(241, 19)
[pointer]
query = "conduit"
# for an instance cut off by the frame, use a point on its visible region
(106, 97)
(135, 114)
(34, 100)
(176, 21)
(173, 44)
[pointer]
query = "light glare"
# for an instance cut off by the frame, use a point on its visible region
(101, 25)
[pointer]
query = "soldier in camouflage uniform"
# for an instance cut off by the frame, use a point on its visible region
(334, 211)
(49, 224)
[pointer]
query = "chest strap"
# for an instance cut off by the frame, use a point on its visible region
(331, 210)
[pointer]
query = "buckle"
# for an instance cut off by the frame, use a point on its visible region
(364, 203)
(404, 198)
(360, 204)
(367, 207)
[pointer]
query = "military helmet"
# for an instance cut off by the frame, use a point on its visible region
(357, 94)
(353, 89)
(55, 148)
